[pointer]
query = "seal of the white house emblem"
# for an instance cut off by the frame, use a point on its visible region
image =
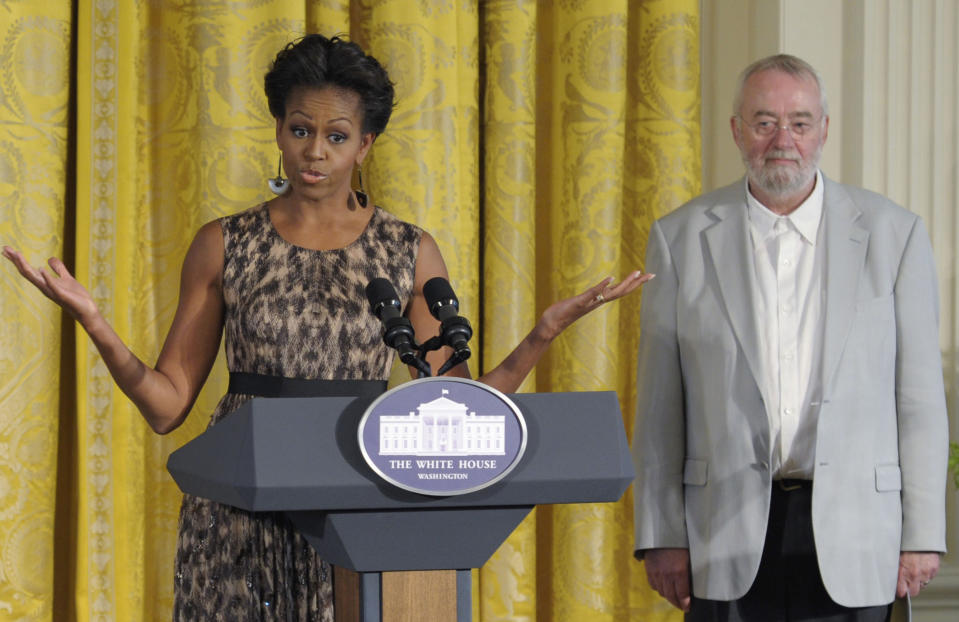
(442, 436)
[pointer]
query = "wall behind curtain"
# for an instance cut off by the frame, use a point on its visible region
(536, 141)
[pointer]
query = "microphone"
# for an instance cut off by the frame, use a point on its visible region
(385, 305)
(455, 330)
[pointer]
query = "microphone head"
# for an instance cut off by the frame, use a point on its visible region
(439, 293)
(381, 293)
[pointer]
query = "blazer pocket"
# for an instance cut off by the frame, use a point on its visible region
(695, 473)
(888, 478)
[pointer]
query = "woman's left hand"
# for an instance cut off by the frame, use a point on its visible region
(508, 375)
(561, 314)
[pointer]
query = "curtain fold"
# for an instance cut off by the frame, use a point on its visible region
(110, 440)
(35, 101)
(536, 141)
(506, 587)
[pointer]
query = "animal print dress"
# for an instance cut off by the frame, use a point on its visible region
(292, 312)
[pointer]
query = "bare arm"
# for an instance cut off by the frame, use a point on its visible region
(510, 373)
(163, 394)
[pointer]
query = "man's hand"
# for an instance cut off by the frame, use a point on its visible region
(668, 574)
(916, 569)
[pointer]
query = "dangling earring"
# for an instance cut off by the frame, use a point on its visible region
(279, 185)
(361, 196)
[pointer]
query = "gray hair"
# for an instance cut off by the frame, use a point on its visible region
(785, 63)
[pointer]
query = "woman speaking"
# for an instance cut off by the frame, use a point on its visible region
(283, 283)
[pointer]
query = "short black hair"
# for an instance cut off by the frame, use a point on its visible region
(317, 62)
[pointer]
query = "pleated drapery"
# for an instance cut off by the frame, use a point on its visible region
(536, 141)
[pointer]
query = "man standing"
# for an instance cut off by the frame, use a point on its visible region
(791, 431)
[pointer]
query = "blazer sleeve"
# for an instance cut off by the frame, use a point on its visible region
(659, 430)
(920, 398)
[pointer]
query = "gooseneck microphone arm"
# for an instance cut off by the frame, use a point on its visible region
(398, 331)
(455, 330)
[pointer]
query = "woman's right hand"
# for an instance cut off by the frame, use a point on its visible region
(164, 393)
(59, 287)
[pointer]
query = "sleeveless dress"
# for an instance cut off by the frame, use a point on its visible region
(295, 312)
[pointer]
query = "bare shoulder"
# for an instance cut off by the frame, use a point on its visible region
(210, 234)
(429, 261)
(204, 259)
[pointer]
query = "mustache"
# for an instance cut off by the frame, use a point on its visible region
(783, 155)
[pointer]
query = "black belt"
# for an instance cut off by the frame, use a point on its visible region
(278, 386)
(789, 485)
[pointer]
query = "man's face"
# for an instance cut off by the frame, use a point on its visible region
(776, 106)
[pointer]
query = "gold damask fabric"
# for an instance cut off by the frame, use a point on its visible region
(536, 141)
(34, 98)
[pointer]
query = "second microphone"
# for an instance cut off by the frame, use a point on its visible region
(455, 330)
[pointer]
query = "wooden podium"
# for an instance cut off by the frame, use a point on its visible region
(400, 556)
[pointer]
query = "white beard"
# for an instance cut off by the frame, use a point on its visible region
(784, 181)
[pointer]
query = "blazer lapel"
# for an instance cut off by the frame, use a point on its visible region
(729, 247)
(846, 244)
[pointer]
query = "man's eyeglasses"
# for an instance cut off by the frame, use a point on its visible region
(769, 127)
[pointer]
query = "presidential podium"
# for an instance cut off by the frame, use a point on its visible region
(400, 555)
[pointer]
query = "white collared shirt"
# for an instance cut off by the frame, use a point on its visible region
(789, 265)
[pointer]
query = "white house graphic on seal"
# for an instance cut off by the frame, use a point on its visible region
(442, 427)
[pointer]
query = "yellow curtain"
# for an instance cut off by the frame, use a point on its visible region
(535, 140)
(34, 156)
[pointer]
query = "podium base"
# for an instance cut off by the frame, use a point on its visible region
(402, 596)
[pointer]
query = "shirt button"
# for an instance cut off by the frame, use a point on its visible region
(787, 411)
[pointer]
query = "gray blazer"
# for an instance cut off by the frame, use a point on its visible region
(701, 444)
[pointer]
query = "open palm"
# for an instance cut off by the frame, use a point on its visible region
(562, 313)
(60, 287)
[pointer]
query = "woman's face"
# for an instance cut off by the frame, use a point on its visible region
(321, 141)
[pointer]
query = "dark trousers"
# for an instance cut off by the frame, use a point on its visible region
(788, 586)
